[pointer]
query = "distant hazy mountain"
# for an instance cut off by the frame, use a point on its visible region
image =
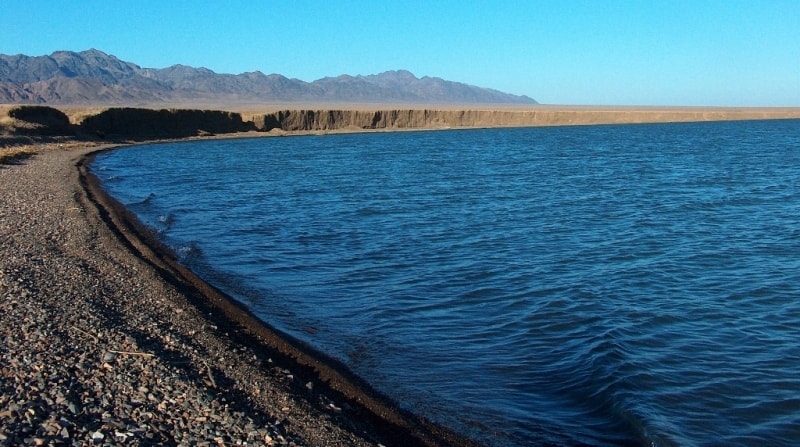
(93, 77)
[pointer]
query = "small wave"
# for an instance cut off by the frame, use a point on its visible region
(167, 220)
(190, 252)
(146, 201)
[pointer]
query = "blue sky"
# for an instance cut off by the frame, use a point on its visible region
(718, 53)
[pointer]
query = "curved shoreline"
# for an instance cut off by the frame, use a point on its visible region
(107, 339)
(331, 376)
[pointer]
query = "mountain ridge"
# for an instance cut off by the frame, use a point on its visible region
(94, 77)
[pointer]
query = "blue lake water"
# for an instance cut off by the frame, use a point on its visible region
(601, 285)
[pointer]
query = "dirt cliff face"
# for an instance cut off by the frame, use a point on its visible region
(174, 123)
(322, 120)
(142, 124)
(326, 120)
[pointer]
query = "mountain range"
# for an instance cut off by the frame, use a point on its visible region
(93, 77)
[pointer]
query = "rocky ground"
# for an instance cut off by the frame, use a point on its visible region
(98, 349)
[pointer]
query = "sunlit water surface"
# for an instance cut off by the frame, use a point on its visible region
(605, 285)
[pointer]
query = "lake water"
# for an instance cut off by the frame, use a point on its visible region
(602, 285)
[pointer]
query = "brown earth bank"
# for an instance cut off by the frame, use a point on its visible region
(140, 124)
(326, 120)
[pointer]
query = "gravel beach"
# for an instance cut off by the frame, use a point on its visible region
(106, 342)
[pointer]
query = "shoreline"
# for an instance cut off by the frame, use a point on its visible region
(308, 364)
(92, 302)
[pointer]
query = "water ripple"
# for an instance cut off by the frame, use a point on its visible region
(608, 285)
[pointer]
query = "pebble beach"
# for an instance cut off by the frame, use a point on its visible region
(101, 345)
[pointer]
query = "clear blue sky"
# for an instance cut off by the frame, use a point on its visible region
(613, 52)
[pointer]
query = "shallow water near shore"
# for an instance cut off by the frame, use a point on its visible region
(603, 285)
